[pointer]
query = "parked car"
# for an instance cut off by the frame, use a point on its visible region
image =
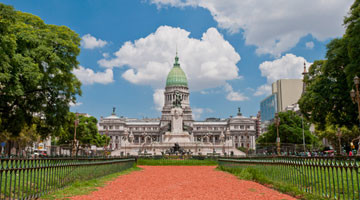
(39, 153)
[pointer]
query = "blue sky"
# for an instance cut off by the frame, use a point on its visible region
(231, 50)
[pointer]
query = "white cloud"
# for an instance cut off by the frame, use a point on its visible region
(234, 96)
(159, 99)
(88, 76)
(106, 55)
(274, 26)
(90, 42)
(208, 62)
(71, 104)
(288, 66)
(197, 112)
(262, 90)
(310, 45)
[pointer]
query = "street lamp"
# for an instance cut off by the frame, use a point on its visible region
(339, 137)
(277, 123)
(76, 124)
(355, 97)
(247, 141)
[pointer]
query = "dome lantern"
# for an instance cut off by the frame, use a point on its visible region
(176, 76)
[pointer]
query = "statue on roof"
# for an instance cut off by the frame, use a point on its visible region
(178, 99)
(239, 111)
(113, 111)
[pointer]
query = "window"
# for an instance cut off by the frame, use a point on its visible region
(105, 127)
(247, 137)
(116, 137)
(116, 127)
(241, 127)
(236, 127)
(110, 127)
(215, 128)
(248, 127)
(136, 128)
(110, 137)
(198, 128)
(242, 137)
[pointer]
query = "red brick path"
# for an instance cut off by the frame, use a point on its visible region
(182, 182)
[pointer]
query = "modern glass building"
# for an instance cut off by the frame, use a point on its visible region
(268, 107)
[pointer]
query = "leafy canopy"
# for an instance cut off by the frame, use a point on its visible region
(327, 98)
(86, 132)
(290, 130)
(36, 60)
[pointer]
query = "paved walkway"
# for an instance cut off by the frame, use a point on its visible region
(182, 182)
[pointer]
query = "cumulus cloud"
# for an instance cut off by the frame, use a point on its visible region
(274, 26)
(71, 104)
(234, 96)
(197, 112)
(90, 42)
(208, 62)
(159, 99)
(105, 55)
(263, 89)
(288, 66)
(310, 45)
(88, 76)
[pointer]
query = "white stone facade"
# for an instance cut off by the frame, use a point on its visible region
(176, 125)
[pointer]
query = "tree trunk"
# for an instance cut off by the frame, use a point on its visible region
(8, 147)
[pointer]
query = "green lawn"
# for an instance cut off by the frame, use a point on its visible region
(86, 187)
(319, 182)
(34, 178)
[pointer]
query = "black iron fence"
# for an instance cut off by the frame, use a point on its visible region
(31, 178)
(333, 178)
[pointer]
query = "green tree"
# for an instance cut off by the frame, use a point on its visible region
(36, 60)
(327, 98)
(290, 130)
(331, 133)
(86, 132)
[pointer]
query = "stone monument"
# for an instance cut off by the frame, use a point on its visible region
(177, 134)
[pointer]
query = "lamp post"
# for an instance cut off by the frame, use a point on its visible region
(355, 97)
(247, 141)
(277, 123)
(339, 138)
(76, 124)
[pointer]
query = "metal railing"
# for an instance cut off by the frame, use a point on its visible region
(32, 178)
(329, 177)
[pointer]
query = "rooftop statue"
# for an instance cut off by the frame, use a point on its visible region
(178, 99)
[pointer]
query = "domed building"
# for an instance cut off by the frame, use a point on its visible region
(176, 126)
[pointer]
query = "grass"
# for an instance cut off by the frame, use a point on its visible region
(86, 187)
(177, 162)
(37, 181)
(258, 175)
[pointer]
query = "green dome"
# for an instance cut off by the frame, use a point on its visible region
(176, 76)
